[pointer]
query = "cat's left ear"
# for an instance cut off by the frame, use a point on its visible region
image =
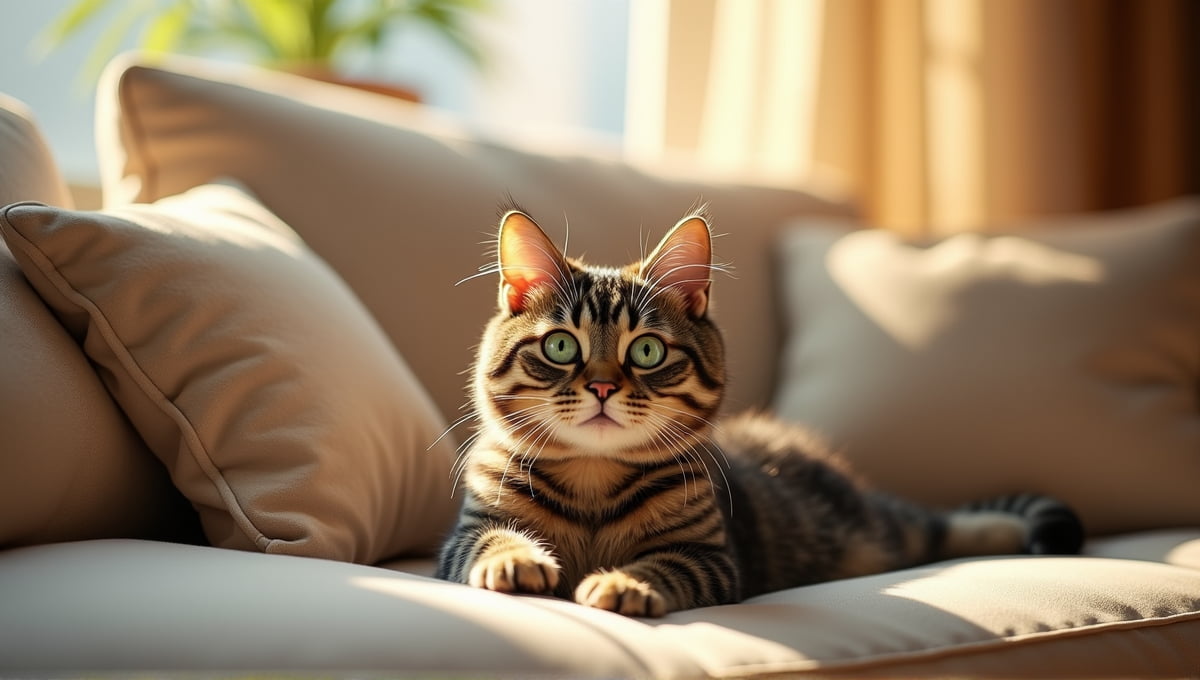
(683, 261)
(528, 259)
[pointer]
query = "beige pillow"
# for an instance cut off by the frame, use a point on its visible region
(71, 467)
(27, 169)
(253, 373)
(1063, 359)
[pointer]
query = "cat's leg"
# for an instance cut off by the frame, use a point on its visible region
(499, 558)
(663, 581)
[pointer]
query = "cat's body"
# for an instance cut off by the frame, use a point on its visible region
(597, 472)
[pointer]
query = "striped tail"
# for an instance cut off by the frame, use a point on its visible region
(1019, 523)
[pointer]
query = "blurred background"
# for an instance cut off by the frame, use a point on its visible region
(935, 115)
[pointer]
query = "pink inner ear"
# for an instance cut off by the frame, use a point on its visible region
(527, 259)
(682, 261)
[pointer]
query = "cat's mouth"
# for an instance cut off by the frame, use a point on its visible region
(601, 419)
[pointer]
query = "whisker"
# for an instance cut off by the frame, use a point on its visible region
(689, 414)
(702, 444)
(684, 442)
(671, 443)
(473, 415)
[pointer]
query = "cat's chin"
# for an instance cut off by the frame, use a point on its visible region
(599, 436)
(604, 437)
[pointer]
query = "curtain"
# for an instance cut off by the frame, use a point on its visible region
(935, 115)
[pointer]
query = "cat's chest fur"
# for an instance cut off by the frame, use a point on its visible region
(593, 512)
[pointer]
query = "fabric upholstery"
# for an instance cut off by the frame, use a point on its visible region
(27, 171)
(71, 467)
(1008, 617)
(251, 371)
(1061, 358)
(1131, 608)
(1180, 547)
(403, 202)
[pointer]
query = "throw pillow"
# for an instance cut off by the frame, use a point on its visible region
(1063, 358)
(250, 369)
(71, 467)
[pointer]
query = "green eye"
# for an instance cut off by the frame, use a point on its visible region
(560, 347)
(647, 351)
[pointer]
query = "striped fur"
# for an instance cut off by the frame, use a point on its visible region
(596, 472)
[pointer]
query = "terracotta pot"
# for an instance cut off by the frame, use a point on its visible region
(327, 76)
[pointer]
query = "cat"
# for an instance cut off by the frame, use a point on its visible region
(597, 472)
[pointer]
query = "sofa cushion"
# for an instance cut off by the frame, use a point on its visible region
(399, 198)
(253, 373)
(71, 467)
(1180, 547)
(1004, 617)
(27, 169)
(1063, 358)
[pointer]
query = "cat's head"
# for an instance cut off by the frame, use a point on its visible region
(585, 360)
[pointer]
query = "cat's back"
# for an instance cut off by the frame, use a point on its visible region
(758, 446)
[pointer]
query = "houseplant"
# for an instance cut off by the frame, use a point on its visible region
(302, 36)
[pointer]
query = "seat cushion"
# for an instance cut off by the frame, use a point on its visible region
(252, 372)
(1059, 358)
(1010, 617)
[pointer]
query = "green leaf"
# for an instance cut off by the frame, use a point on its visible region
(281, 31)
(110, 40)
(205, 38)
(324, 33)
(284, 26)
(66, 24)
(165, 32)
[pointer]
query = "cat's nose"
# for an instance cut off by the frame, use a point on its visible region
(602, 388)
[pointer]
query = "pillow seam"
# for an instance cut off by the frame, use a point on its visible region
(188, 434)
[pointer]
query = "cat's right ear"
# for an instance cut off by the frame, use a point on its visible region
(528, 259)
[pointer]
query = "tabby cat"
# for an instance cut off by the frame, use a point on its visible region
(597, 474)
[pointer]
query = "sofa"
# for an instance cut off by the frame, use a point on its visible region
(233, 400)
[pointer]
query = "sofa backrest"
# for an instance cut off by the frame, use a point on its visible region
(27, 169)
(402, 201)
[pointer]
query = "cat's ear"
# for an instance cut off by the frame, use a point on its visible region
(528, 259)
(683, 261)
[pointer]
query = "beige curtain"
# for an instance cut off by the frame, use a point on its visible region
(936, 115)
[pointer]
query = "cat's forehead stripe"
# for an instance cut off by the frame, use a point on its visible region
(606, 295)
(606, 298)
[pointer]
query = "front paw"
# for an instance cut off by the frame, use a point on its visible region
(621, 593)
(516, 569)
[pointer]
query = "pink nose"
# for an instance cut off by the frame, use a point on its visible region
(602, 388)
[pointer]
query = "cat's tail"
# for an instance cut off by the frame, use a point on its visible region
(1020, 523)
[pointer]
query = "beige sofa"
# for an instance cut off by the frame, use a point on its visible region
(219, 445)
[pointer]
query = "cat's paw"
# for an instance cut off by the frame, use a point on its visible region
(621, 593)
(516, 569)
